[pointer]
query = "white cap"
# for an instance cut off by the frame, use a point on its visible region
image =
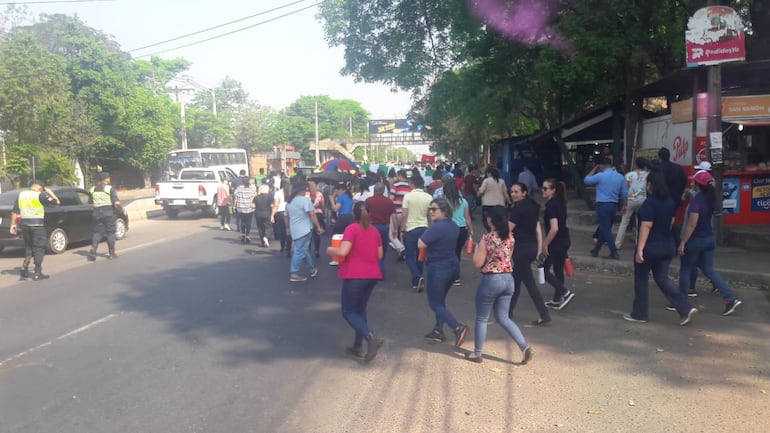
(703, 165)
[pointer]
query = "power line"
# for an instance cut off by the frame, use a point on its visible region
(43, 2)
(231, 32)
(216, 27)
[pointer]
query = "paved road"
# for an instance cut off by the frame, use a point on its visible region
(193, 332)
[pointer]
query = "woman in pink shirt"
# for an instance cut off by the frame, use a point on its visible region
(362, 249)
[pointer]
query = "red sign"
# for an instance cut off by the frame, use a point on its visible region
(715, 34)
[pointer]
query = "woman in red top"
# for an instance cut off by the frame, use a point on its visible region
(362, 248)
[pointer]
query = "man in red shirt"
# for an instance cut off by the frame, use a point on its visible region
(381, 209)
(471, 187)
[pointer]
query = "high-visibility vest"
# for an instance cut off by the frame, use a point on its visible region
(30, 207)
(102, 198)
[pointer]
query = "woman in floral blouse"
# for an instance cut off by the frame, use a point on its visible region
(493, 258)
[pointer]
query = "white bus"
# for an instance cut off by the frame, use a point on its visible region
(232, 161)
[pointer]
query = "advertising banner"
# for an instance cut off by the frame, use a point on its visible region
(745, 107)
(678, 142)
(715, 34)
(393, 126)
(760, 193)
(731, 195)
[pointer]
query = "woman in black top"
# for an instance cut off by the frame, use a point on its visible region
(556, 242)
(525, 216)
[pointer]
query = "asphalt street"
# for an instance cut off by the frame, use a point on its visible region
(190, 331)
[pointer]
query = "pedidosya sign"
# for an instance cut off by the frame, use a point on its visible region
(715, 34)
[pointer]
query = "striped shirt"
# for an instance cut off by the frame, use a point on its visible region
(397, 194)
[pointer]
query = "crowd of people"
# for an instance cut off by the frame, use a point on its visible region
(428, 227)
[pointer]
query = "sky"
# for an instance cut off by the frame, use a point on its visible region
(277, 62)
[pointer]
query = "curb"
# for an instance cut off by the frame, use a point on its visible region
(143, 209)
(760, 279)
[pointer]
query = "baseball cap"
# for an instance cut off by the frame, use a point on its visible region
(702, 178)
(703, 165)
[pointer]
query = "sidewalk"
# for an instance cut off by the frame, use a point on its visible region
(748, 265)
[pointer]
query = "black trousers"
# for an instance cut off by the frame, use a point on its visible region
(523, 256)
(104, 228)
(35, 239)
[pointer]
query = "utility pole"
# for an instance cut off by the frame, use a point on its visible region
(181, 115)
(317, 150)
(714, 128)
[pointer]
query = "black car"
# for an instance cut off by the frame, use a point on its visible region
(68, 223)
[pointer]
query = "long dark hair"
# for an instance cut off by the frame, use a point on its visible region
(361, 214)
(452, 194)
(657, 182)
(710, 193)
(499, 219)
(495, 174)
(559, 186)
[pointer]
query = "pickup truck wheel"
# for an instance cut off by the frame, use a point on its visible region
(172, 213)
(120, 228)
(57, 241)
(214, 209)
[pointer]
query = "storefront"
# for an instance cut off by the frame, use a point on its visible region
(745, 154)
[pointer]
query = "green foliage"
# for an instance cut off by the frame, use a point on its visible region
(55, 169)
(34, 92)
(336, 117)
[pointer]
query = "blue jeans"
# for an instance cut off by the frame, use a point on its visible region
(440, 276)
(657, 258)
(410, 244)
(301, 254)
(605, 216)
(355, 297)
(494, 294)
(699, 252)
(383, 229)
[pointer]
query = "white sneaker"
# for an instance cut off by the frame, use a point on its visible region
(227, 227)
(265, 242)
(333, 263)
(221, 227)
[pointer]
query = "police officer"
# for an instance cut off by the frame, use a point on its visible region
(105, 201)
(30, 206)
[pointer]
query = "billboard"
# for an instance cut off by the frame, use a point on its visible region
(715, 34)
(393, 126)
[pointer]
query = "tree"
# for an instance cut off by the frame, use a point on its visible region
(34, 92)
(253, 126)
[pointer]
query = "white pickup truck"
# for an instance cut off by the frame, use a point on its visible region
(194, 189)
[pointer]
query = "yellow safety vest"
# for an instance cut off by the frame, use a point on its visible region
(31, 209)
(102, 198)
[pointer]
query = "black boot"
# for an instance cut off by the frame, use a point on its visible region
(92, 254)
(373, 344)
(24, 273)
(39, 275)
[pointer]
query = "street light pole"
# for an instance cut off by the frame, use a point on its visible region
(317, 150)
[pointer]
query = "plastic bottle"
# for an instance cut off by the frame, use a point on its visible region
(469, 246)
(569, 268)
(540, 269)
(421, 255)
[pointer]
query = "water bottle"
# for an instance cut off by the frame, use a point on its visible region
(540, 269)
(469, 246)
(569, 268)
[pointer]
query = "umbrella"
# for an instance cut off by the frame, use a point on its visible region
(339, 164)
(331, 177)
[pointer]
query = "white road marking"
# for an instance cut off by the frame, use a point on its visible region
(144, 245)
(61, 337)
